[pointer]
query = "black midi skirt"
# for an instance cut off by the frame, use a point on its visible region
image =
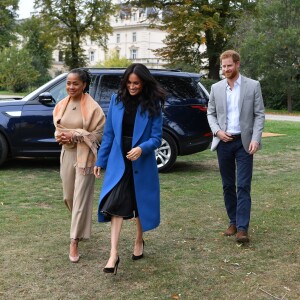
(121, 200)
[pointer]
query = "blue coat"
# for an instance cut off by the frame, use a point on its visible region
(147, 134)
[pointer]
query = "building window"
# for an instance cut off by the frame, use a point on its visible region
(92, 56)
(134, 17)
(118, 38)
(60, 56)
(134, 37)
(133, 54)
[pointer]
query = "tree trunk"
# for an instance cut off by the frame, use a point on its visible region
(214, 68)
(289, 101)
(213, 53)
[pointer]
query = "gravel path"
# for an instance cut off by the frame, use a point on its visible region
(282, 117)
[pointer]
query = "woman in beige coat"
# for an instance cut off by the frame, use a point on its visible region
(79, 122)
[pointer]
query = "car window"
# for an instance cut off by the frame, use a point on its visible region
(202, 90)
(106, 86)
(179, 87)
(109, 85)
(94, 85)
(59, 92)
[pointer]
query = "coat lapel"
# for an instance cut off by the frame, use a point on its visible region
(224, 97)
(117, 122)
(242, 92)
(141, 121)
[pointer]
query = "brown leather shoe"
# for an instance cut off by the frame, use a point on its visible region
(231, 230)
(242, 236)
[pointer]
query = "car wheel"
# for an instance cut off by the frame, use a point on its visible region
(3, 149)
(166, 154)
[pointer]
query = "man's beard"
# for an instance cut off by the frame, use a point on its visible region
(230, 75)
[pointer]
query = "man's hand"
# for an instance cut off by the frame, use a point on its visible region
(253, 147)
(224, 136)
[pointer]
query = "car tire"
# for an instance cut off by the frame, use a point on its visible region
(166, 154)
(3, 149)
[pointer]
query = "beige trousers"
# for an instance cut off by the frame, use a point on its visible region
(78, 192)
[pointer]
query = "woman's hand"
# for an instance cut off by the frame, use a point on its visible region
(64, 138)
(58, 138)
(97, 171)
(134, 153)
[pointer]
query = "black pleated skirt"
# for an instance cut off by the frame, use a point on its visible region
(121, 200)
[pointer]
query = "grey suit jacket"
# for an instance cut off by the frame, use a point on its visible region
(251, 106)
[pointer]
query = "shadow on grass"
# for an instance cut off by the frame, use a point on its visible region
(30, 163)
(53, 163)
(194, 166)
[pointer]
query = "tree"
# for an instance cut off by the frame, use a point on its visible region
(114, 61)
(193, 23)
(16, 71)
(39, 42)
(8, 15)
(180, 65)
(72, 21)
(270, 49)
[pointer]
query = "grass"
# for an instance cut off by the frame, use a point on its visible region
(186, 257)
(282, 112)
(12, 93)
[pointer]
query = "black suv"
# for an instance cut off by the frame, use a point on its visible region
(26, 126)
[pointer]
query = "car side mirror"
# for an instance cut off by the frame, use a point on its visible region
(46, 98)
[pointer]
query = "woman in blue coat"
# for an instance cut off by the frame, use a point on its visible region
(132, 132)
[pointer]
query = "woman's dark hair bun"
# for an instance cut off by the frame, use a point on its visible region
(85, 76)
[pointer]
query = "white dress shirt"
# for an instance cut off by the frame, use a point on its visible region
(233, 112)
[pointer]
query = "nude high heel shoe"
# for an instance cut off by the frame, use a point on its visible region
(74, 259)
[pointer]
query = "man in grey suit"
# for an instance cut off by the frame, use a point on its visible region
(236, 116)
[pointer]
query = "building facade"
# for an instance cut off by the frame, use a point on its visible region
(132, 38)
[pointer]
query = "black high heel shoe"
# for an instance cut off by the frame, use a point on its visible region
(137, 257)
(113, 269)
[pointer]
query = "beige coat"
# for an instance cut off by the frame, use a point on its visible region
(89, 137)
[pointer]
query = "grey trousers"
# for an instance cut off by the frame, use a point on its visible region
(78, 193)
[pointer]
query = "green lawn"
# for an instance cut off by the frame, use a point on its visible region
(12, 93)
(186, 257)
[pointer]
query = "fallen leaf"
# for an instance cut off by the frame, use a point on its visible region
(236, 264)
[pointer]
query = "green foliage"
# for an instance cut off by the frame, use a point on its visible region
(191, 24)
(270, 49)
(208, 83)
(113, 60)
(39, 42)
(7, 21)
(74, 20)
(16, 70)
(182, 66)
